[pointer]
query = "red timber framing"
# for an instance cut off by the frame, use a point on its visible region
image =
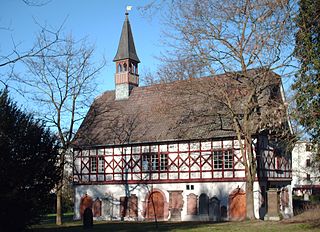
(200, 161)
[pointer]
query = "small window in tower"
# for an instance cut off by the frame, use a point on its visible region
(308, 177)
(131, 68)
(192, 187)
(308, 147)
(135, 69)
(308, 164)
(119, 68)
(125, 67)
(188, 187)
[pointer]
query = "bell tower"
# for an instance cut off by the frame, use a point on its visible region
(126, 59)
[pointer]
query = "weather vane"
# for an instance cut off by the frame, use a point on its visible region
(128, 8)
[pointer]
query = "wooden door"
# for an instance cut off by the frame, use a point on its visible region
(237, 205)
(155, 206)
(97, 208)
(86, 202)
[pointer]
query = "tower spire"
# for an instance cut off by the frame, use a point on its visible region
(126, 48)
(126, 59)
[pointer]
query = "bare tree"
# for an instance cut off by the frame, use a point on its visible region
(175, 68)
(246, 40)
(50, 38)
(36, 2)
(60, 82)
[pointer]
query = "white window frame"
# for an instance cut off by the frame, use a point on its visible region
(93, 164)
(101, 164)
(228, 159)
(217, 159)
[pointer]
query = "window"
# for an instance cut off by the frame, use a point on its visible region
(228, 159)
(119, 68)
(93, 164)
(163, 162)
(155, 162)
(308, 147)
(136, 69)
(217, 159)
(223, 159)
(145, 162)
(100, 164)
(308, 176)
(132, 68)
(190, 187)
(308, 163)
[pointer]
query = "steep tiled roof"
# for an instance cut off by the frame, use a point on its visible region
(126, 48)
(181, 110)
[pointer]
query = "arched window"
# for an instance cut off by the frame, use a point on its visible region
(130, 68)
(125, 67)
(119, 68)
(136, 69)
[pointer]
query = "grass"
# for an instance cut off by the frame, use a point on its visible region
(304, 222)
(50, 219)
(181, 226)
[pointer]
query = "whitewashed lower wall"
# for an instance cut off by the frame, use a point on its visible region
(221, 190)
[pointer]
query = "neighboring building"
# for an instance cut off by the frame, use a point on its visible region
(141, 153)
(305, 176)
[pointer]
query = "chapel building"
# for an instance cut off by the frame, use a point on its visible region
(163, 151)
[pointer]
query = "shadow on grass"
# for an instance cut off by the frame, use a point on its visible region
(51, 219)
(124, 226)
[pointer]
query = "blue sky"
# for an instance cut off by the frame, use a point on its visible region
(100, 20)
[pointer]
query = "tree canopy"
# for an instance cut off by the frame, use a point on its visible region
(307, 80)
(28, 166)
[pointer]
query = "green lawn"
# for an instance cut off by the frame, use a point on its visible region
(245, 226)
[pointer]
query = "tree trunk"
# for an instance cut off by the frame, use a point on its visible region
(250, 176)
(59, 206)
(59, 189)
(249, 199)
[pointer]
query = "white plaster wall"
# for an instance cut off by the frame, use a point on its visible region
(299, 169)
(122, 91)
(221, 190)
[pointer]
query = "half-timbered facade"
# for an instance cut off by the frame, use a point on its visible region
(141, 154)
